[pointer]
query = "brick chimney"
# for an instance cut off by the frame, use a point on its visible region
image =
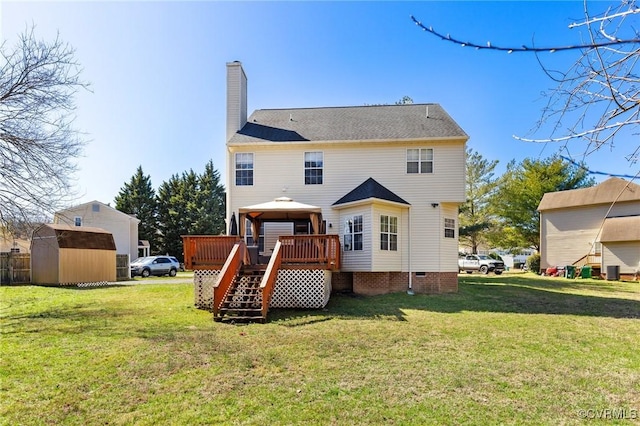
(236, 98)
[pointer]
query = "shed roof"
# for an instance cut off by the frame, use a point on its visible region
(370, 188)
(612, 189)
(359, 123)
(81, 237)
(618, 229)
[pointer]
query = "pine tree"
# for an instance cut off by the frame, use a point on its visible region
(475, 214)
(139, 199)
(211, 208)
(171, 217)
(190, 204)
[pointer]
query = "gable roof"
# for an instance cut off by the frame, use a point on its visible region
(88, 207)
(618, 229)
(363, 123)
(612, 189)
(79, 237)
(370, 188)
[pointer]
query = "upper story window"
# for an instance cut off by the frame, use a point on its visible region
(388, 233)
(313, 164)
(449, 228)
(244, 169)
(353, 233)
(95, 208)
(77, 221)
(420, 160)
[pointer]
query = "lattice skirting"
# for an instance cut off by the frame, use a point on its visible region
(301, 288)
(295, 288)
(203, 281)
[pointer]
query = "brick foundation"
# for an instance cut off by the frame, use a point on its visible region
(342, 282)
(372, 283)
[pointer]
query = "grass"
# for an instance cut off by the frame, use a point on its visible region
(180, 274)
(514, 349)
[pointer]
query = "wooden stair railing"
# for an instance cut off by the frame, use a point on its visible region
(242, 301)
(588, 259)
(269, 279)
(227, 276)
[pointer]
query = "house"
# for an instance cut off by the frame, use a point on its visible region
(597, 226)
(387, 181)
(9, 244)
(122, 226)
(66, 254)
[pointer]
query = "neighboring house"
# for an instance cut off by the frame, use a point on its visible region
(17, 245)
(122, 226)
(387, 179)
(599, 226)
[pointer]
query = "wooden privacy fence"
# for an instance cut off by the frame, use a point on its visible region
(122, 267)
(15, 268)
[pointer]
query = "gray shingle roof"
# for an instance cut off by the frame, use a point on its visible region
(611, 190)
(618, 229)
(386, 122)
(370, 188)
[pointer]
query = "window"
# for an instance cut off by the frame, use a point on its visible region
(250, 240)
(313, 168)
(388, 233)
(449, 228)
(77, 221)
(420, 160)
(95, 208)
(353, 233)
(244, 169)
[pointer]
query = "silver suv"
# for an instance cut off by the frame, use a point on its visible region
(155, 265)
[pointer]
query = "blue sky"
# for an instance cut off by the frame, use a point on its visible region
(157, 72)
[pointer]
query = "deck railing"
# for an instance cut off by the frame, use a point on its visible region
(206, 251)
(227, 275)
(270, 276)
(589, 259)
(303, 251)
(322, 251)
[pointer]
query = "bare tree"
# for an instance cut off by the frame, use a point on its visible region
(38, 144)
(597, 100)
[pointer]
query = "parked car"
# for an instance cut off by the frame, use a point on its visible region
(481, 263)
(155, 265)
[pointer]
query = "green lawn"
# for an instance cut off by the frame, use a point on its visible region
(514, 349)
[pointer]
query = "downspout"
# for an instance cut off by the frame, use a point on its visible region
(410, 290)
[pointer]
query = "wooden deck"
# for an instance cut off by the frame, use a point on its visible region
(297, 251)
(243, 288)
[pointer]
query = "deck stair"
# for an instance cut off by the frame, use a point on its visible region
(243, 301)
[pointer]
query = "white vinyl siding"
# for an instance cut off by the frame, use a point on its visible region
(624, 254)
(357, 260)
(389, 260)
(566, 235)
(347, 165)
